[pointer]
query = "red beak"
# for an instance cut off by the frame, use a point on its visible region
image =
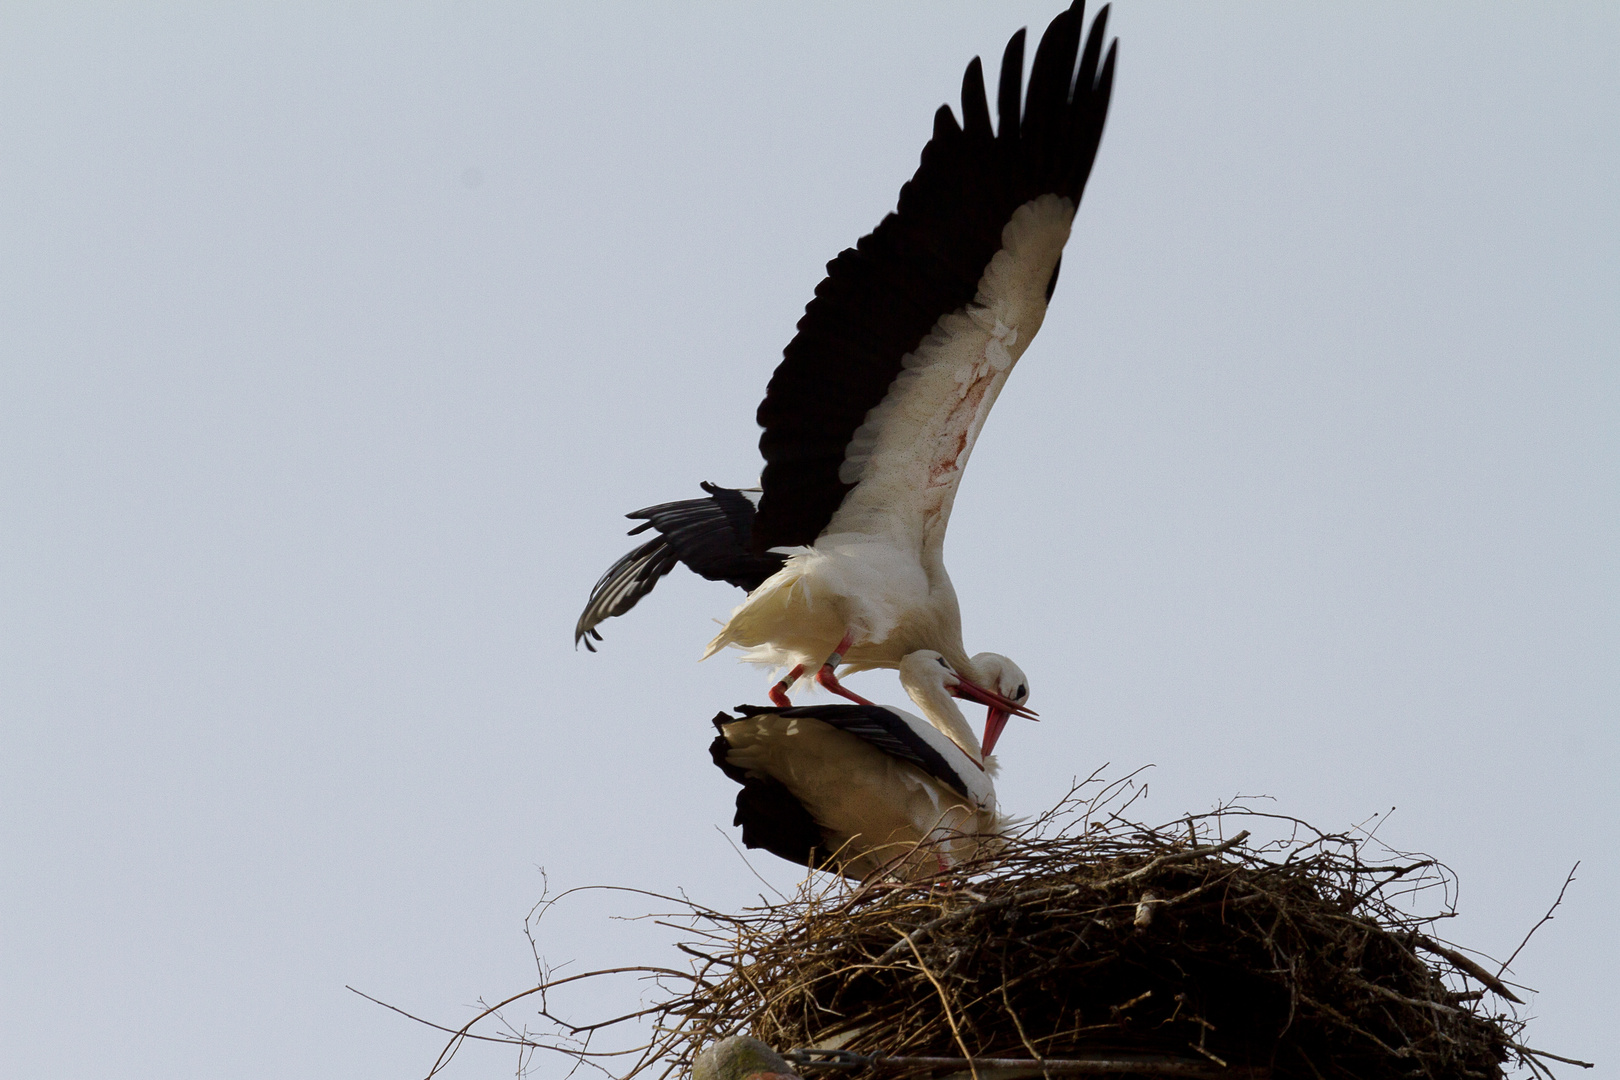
(994, 721)
(1000, 709)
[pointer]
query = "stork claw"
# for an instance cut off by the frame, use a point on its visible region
(828, 675)
(778, 692)
(828, 679)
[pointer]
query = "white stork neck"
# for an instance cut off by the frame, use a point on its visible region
(924, 680)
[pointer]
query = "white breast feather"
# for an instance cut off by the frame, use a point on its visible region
(848, 582)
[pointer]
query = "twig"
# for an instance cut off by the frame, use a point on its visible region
(508, 1040)
(1023, 1037)
(1151, 1065)
(1386, 992)
(1173, 857)
(945, 1003)
(1463, 963)
(1554, 1057)
(1547, 918)
(745, 862)
(465, 1031)
(1060, 891)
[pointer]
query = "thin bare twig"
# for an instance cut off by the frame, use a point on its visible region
(1141, 1064)
(1472, 967)
(945, 1004)
(1552, 1057)
(1547, 918)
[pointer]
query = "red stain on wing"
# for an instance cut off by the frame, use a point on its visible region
(956, 438)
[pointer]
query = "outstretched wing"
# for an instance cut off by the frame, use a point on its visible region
(874, 409)
(710, 536)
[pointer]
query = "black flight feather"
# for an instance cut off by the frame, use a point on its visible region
(771, 818)
(881, 298)
(709, 536)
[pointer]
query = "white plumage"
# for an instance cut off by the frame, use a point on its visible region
(877, 574)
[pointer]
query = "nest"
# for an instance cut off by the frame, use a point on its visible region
(1196, 945)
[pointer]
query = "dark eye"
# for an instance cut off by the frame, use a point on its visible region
(940, 660)
(1021, 693)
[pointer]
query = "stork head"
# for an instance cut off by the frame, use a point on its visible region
(1005, 680)
(927, 671)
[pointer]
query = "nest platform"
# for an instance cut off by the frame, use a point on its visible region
(1089, 938)
(1230, 944)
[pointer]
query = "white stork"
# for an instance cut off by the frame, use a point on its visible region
(862, 788)
(871, 415)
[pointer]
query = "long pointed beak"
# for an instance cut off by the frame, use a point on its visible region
(975, 692)
(1000, 709)
(994, 721)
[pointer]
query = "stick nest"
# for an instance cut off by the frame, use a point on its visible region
(1234, 939)
(1090, 934)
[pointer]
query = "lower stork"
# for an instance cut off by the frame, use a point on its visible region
(871, 415)
(865, 789)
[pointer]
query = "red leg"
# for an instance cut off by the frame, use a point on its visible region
(828, 676)
(779, 696)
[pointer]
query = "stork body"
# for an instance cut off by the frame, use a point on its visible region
(877, 570)
(864, 789)
(880, 397)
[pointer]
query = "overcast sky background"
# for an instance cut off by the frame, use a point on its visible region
(335, 339)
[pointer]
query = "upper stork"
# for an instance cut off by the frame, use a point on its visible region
(871, 415)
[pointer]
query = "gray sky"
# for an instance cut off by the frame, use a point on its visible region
(336, 340)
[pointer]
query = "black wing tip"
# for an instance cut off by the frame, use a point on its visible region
(719, 748)
(975, 103)
(1043, 140)
(1105, 78)
(709, 536)
(1010, 89)
(1099, 30)
(647, 513)
(1015, 47)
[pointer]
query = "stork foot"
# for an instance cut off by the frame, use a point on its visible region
(828, 675)
(829, 680)
(779, 696)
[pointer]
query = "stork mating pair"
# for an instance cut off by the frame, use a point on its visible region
(868, 422)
